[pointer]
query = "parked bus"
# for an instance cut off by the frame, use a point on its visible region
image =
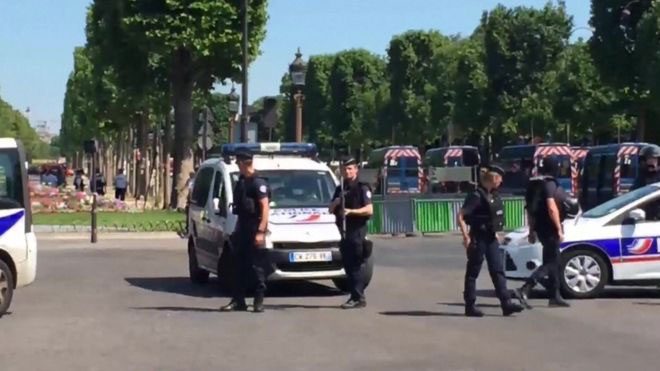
(521, 162)
(451, 157)
(396, 169)
(579, 155)
(609, 171)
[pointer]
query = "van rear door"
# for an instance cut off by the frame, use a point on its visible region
(15, 213)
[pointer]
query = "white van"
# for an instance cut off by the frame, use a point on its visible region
(18, 244)
(302, 239)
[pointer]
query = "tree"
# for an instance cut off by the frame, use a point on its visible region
(521, 46)
(582, 101)
(417, 67)
(316, 112)
(355, 81)
(621, 57)
(15, 125)
(196, 42)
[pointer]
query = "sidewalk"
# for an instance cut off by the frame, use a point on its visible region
(105, 235)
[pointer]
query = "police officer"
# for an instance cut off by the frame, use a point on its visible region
(251, 204)
(483, 211)
(649, 167)
(543, 202)
(354, 248)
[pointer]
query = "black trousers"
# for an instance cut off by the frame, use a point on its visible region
(250, 262)
(550, 267)
(120, 193)
(489, 248)
(352, 252)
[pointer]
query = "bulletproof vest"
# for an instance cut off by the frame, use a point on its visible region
(489, 216)
(353, 199)
(245, 205)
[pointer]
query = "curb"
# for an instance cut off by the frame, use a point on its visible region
(50, 236)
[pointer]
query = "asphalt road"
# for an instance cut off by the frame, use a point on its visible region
(128, 305)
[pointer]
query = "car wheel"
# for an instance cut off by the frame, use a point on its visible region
(226, 269)
(583, 274)
(198, 276)
(6, 287)
(342, 283)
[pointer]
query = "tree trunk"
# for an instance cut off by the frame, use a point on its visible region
(166, 163)
(143, 147)
(641, 124)
(182, 84)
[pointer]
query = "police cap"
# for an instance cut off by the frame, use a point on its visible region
(349, 161)
(496, 169)
(650, 151)
(243, 156)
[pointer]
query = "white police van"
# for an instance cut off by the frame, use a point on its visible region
(18, 244)
(615, 243)
(302, 239)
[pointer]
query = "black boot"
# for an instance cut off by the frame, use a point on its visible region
(510, 308)
(522, 294)
(558, 302)
(234, 306)
(471, 310)
(258, 302)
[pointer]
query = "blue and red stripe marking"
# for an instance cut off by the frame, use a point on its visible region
(8, 221)
(625, 250)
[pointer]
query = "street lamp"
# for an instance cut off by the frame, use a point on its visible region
(233, 110)
(297, 69)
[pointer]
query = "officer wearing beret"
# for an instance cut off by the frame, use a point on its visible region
(483, 212)
(251, 204)
(357, 209)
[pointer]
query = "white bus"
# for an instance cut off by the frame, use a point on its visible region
(18, 244)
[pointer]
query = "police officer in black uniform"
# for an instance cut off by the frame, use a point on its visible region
(251, 204)
(649, 171)
(354, 247)
(483, 211)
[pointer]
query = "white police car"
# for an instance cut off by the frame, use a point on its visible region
(18, 244)
(615, 243)
(302, 238)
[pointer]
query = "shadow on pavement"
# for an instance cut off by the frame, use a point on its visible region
(176, 285)
(463, 305)
(423, 313)
(183, 286)
(179, 309)
(299, 306)
(642, 303)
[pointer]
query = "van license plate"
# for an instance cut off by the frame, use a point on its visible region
(310, 256)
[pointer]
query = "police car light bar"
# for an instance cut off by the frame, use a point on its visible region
(300, 149)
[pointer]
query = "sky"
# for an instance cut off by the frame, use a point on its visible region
(37, 39)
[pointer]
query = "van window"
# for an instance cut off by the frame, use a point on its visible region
(609, 163)
(218, 189)
(470, 158)
(628, 166)
(202, 186)
(298, 188)
(11, 181)
(592, 170)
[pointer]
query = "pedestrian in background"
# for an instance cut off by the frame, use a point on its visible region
(78, 181)
(483, 212)
(120, 183)
(99, 183)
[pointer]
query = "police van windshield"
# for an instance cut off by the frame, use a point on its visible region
(616, 204)
(11, 181)
(298, 188)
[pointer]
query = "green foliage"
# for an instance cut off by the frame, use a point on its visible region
(356, 81)
(14, 125)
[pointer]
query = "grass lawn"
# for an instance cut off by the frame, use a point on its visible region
(154, 220)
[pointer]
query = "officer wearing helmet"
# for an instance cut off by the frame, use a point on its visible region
(483, 213)
(649, 171)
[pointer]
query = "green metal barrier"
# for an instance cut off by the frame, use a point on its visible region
(434, 216)
(514, 213)
(438, 215)
(375, 224)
